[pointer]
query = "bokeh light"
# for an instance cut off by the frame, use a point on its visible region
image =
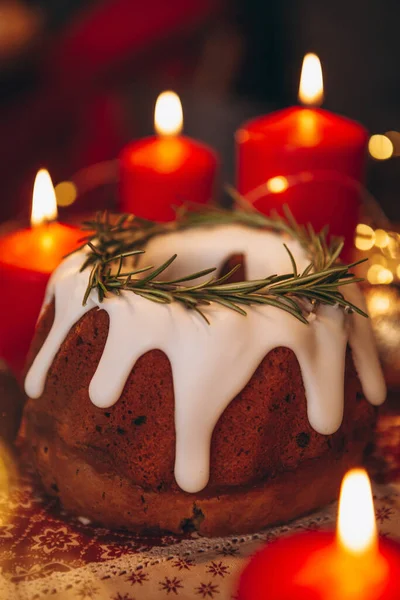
(378, 259)
(392, 249)
(277, 185)
(377, 274)
(381, 238)
(365, 237)
(380, 147)
(66, 193)
(378, 303)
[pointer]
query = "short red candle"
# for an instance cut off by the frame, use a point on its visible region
(27, 258)
(322, 155)
(351, 564)
(275, 573)
(160, 173)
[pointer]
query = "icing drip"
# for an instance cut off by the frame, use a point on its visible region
(365, 356)
(212, 364)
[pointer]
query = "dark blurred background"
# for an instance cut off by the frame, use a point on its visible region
(79, 78)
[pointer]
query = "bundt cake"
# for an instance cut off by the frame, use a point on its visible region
(142, 415)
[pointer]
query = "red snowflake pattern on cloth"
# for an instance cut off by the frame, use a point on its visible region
(87, 591)
(138, 577)
(37, 571)
(116, 550)
(229, 551)
(171, 585)
(218, 569)
(38, 517)
(61, 555)
(383, 514)
(19, 498)
(6, 531)
(7, 555)
(389, 498)
(207, 590)
(55, 539)
(183, 564)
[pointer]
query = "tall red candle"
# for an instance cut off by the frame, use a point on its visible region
(160, 173)
(317, 156)
(27, 258)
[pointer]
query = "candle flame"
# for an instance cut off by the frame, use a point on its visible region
(356, 528)
(44, 204)
(168, 115)
(311, 89)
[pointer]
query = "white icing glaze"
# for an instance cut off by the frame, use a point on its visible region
(204, 247)
(212, 364)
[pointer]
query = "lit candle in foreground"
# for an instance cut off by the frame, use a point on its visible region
(27, 258)
(310, 159)
(162, 172)
(352, 564)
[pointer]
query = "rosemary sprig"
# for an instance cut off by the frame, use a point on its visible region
(129, 233)
(113, 242)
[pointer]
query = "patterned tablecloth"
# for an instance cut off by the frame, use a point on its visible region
(44, 554)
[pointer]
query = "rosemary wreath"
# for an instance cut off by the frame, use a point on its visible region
(114, 239)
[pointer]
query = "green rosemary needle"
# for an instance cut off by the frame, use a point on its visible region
(112, 241)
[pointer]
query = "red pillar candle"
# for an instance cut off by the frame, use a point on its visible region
(351, 565)
(27, 258)
(160, 173)
(317, 156)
